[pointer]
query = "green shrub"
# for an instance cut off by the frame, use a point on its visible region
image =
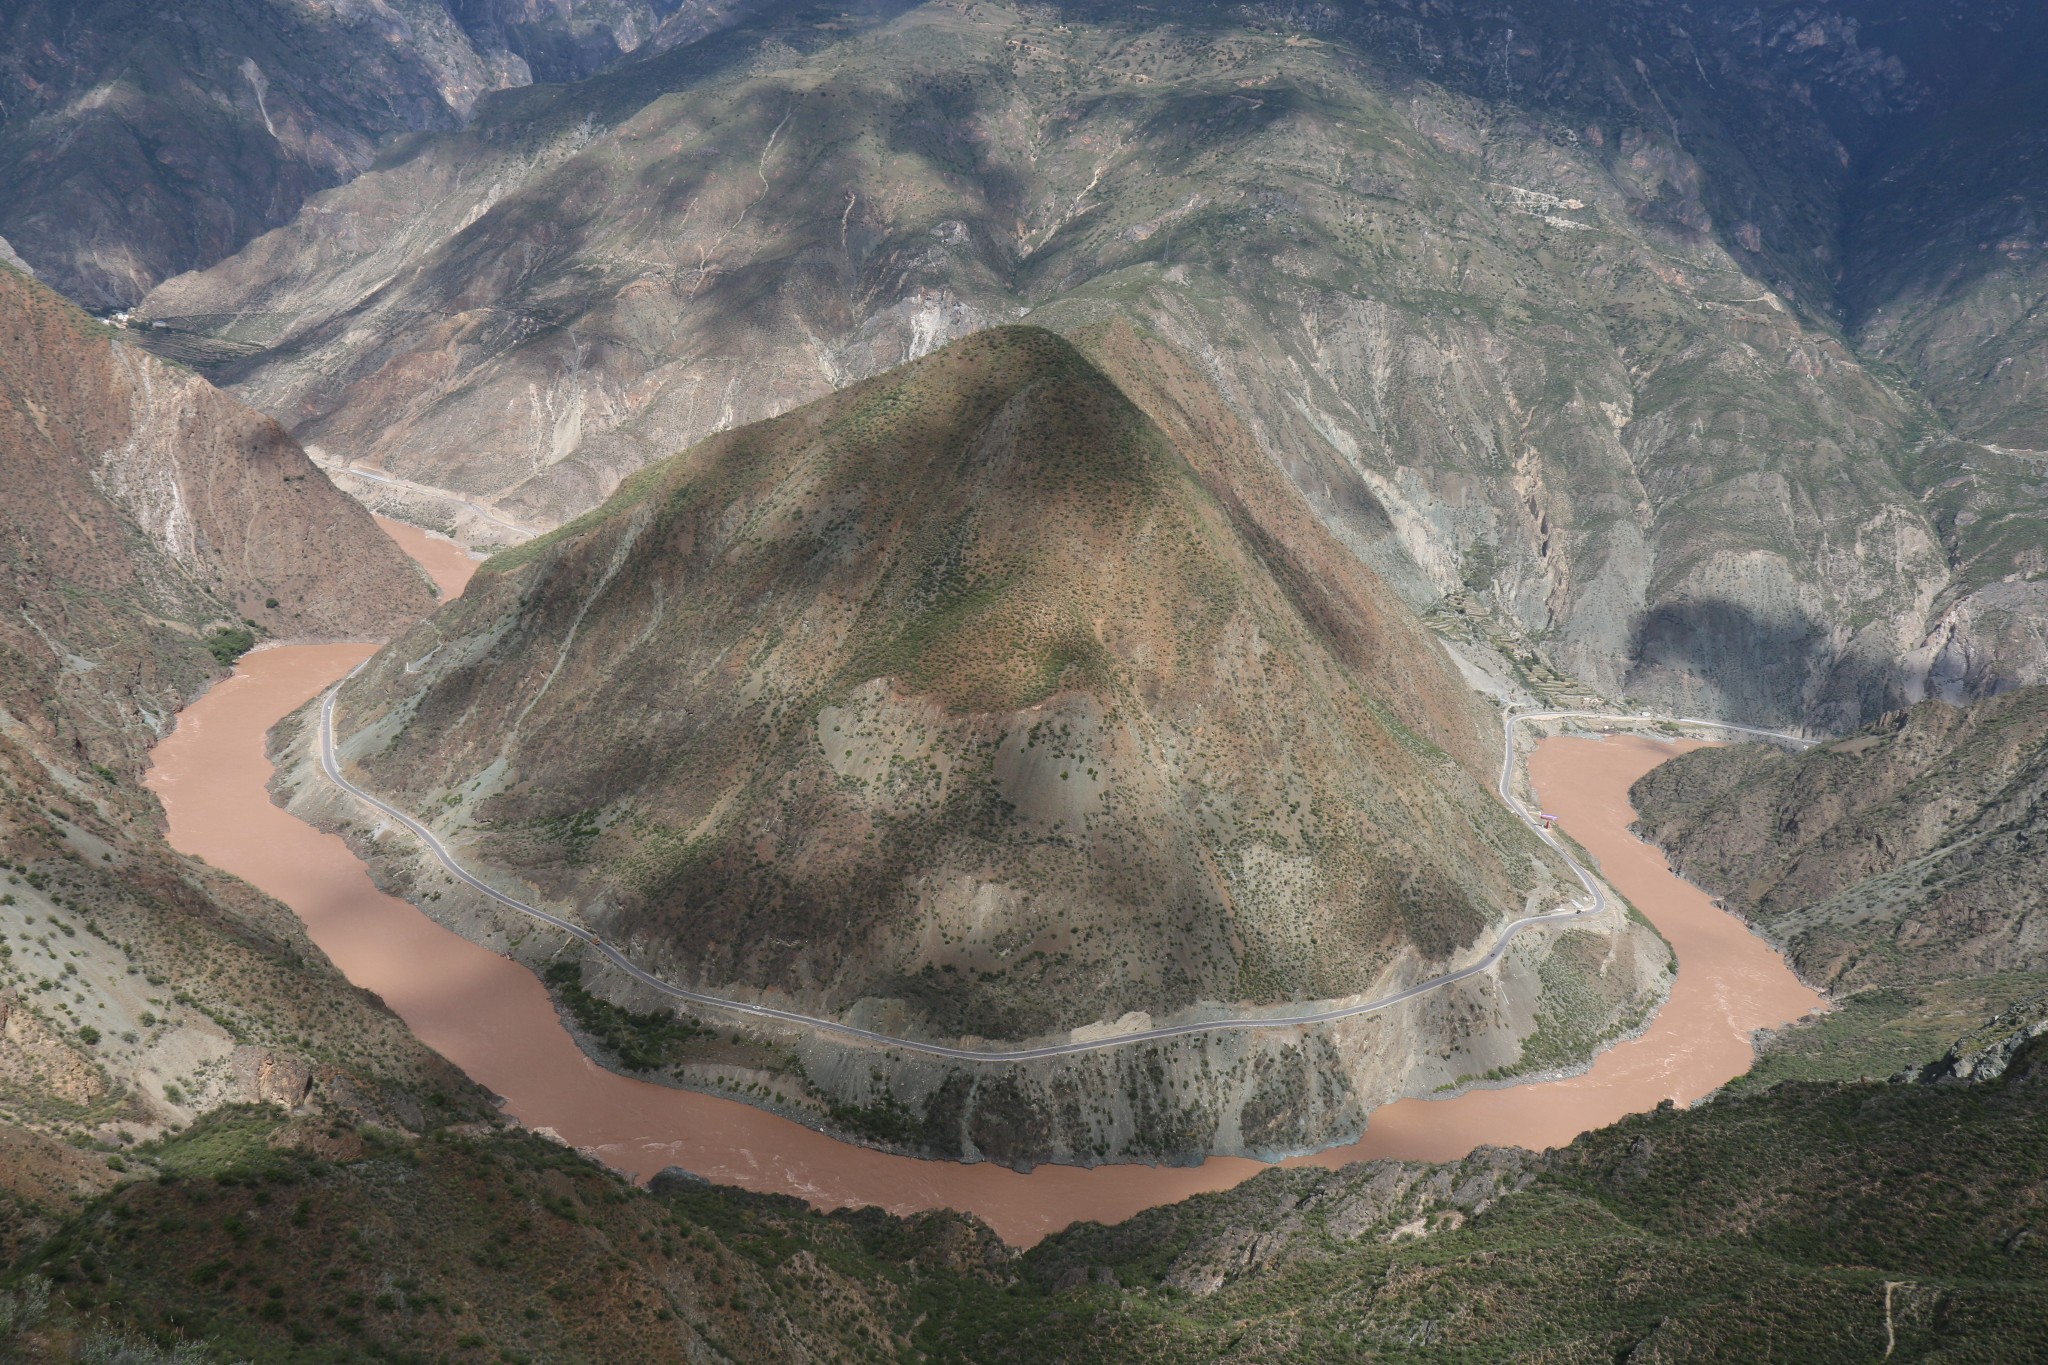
(230, 643)
(642, 1042)
(232, 1140)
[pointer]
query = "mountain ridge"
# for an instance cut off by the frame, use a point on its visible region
(139, 141)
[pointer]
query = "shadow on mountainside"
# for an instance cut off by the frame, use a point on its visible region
(1724, 660)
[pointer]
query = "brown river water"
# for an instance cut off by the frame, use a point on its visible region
(492, 1018)
(447, 563)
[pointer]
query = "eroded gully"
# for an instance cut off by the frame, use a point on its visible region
(492, 1017)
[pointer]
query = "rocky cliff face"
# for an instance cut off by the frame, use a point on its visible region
(565, 40)
(1988, 1052)
(141, 140)
(1910, 851)
(140, 509)
(1551, 313)
(1943, 259)
(973, 702)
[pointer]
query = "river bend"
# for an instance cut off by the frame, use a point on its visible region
(492, 1017)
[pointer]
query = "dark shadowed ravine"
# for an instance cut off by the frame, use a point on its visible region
(492, 1017)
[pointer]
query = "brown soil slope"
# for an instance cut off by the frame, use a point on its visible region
(972, 693)
(138, 508)
(141, 487)
(1911, 851)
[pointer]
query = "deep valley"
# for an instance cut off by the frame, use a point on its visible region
(964, 680)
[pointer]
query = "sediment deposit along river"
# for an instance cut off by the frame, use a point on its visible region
(493, 1019)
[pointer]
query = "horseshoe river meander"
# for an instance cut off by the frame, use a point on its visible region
(492, 1018)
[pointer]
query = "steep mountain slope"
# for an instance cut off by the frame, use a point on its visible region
(413, 1251)
(1545, 313)
(1910, 851)
(142, 504)
(139, 140)
(970, 702)
(1818, 1223)
(1945, 259)
(1724, 1232)
(1945, 242)
(140, 508)
(564, 40)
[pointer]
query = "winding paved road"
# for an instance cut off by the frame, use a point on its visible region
(1595, 904)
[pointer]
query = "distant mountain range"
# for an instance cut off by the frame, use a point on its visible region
(140, 140)
(1689, 351)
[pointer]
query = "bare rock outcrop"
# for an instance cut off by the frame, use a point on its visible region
(268, 1076)
(1985, 1053)
(36, 1060)
(1276, 1223)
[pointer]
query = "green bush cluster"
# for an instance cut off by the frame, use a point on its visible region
(641, 1042)
(230, 643)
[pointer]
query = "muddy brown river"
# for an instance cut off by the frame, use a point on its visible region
(447, 563)
(492, 1018)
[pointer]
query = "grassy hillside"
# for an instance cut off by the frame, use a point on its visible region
(1814, 1222)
